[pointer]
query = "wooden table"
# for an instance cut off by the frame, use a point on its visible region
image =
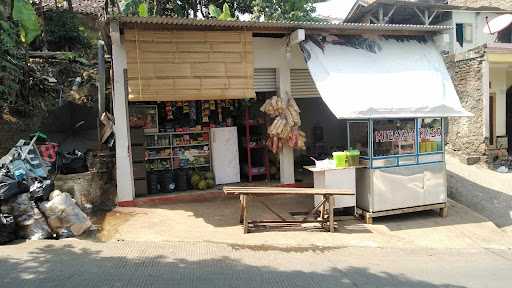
(325, 206)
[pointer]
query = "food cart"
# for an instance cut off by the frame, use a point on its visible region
(396, 94)
(405, 165)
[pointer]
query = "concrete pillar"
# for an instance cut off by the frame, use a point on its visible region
(485, 99)
(286, 156)
(124, 172)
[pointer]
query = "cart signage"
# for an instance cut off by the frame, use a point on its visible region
(398, 135)
(430, 133)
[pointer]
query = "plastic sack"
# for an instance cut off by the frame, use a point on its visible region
(30, 222)
(64, 215)
(9, 187)
(41, 189)
(72, 162)
(7, 229)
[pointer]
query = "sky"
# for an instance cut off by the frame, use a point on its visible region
(334, 9)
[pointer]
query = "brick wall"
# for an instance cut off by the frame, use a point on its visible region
(465, 134)
(503, 4)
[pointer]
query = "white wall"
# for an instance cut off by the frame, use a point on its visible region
(444, 41)
(499, 85)
(479, 22)
(268, 54)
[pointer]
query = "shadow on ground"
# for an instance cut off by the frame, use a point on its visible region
(493, 204)
(225, 213)
(66, 266)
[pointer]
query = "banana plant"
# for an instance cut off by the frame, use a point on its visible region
(225, 14)
(26, 16)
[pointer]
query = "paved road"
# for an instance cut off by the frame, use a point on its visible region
(77, 263)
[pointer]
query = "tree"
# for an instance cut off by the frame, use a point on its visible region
(274, 10)
(181, 8)
(284, 10)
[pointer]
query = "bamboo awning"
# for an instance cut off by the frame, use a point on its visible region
(189, 65)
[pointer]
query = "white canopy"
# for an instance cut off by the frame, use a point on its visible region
(399, 79)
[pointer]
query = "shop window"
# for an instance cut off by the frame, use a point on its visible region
(431, 135)
(468, 33)
(464, 33)
(358, 136)
(394, 137)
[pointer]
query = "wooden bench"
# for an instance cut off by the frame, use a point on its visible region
(325, 206)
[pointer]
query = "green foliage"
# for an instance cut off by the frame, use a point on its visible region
(185, 8)
(63, 31)
(285, 10)
(24, 13)
(225, 14)
(270, 10)
(143, 10)
(12, 61)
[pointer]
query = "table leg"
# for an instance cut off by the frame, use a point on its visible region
(246, 226)
(242, 204)
(331, 213)
(322, 211)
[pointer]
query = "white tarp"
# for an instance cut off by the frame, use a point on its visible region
(404, 78)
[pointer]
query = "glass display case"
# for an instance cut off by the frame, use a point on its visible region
(397, 142)
(405, 165)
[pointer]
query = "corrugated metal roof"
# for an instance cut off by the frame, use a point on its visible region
(363, 8)
(90, 7)
(255, 25)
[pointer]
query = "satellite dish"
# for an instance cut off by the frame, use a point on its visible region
(497, 24)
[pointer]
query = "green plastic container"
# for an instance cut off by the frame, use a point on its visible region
(340, 158)
(353, 157)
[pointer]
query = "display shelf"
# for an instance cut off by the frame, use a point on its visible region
(170, 137)
(194, 144)
(193, 166)
(189, 132)
(265, 170)
(158, 147)
(159, 169)
(158, 157)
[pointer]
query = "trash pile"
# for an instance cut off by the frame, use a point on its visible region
(30, 207)
(285, 127)
(503, 166)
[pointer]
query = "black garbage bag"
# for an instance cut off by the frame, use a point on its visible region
(30, 222)
(9, 187)
(7, 229)
(40, 190)
(72, 162)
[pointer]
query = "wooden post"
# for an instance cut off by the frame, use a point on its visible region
(368, 219)
(331, 213)
(286, 163)
(124, 172)
(443, 212)
(246, 224)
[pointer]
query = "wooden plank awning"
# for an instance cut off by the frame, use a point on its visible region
(189, 65)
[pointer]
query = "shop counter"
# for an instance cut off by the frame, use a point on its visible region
(335, 178)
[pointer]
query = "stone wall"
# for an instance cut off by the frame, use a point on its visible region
(465, 134)
(503, 4)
